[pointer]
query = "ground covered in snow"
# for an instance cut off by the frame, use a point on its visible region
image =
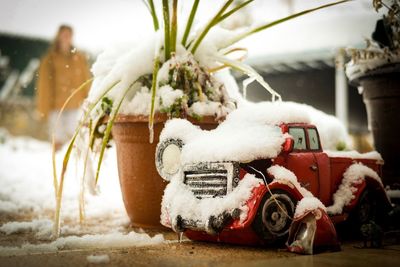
(27, 204)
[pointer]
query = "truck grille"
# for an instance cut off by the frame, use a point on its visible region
(208, 180)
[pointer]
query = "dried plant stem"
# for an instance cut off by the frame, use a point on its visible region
(53, 141)
(154, 87)
(56, 230)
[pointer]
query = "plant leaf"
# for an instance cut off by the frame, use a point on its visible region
(279, 21)
(233, 10)
(107, 133)
(190, 21)
(174, 25)
(210, 24)
(153, 15)
(153, 95)
(167, 41)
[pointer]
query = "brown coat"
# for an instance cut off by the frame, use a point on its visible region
(59, 75)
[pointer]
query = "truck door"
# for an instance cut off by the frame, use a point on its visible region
(323, 164)
(302, 161)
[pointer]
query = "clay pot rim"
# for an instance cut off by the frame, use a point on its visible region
(161, 118)
(384, 69)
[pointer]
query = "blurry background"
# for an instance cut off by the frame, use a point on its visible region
(301, 59)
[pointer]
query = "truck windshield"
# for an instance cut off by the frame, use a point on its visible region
(299, 138)
(313, 139)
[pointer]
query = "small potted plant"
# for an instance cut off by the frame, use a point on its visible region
(169, 73)
(375, 70)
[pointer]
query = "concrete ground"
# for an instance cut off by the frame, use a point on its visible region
(190, 253)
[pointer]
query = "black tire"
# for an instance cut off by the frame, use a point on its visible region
(271, 223)
(366, 209)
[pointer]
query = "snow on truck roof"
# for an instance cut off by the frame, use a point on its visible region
(251, 132)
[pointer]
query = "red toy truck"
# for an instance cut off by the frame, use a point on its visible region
(201, 199)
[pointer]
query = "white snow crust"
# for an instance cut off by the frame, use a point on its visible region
(26, 189)
(178, 199)
(98, 259)
(355, 174)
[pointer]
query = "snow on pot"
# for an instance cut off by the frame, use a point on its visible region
(171, 71)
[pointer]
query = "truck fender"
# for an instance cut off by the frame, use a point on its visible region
(258, 194)
(375, 186)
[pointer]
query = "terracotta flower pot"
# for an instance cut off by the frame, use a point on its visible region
(142, 187)
(381, 95)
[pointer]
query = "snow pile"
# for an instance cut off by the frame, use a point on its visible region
(41, 227)
(98, 259)
(228, 142)
(285, 176)
(105, 241)
(331, 130)
(373, 155)
(250, 132)
(26, 189)
(26, 184)
(308, 204)
(178, 199)
(354, 175)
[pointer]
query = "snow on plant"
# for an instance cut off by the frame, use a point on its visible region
(354, 175)
(184, 63)
(384, 48)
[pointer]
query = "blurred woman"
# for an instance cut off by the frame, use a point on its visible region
(61, 71)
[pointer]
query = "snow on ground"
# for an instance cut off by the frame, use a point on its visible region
(355, 174)
(26, 191)
(98, 259)
(98, 241)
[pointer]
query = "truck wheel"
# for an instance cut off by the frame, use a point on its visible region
(274, 216)
(366, 209)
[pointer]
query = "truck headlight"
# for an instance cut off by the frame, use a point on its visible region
(168, 155)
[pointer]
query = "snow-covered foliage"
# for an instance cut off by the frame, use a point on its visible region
(183, 80)
(373, 57)
(355, 174)
(178, 199)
